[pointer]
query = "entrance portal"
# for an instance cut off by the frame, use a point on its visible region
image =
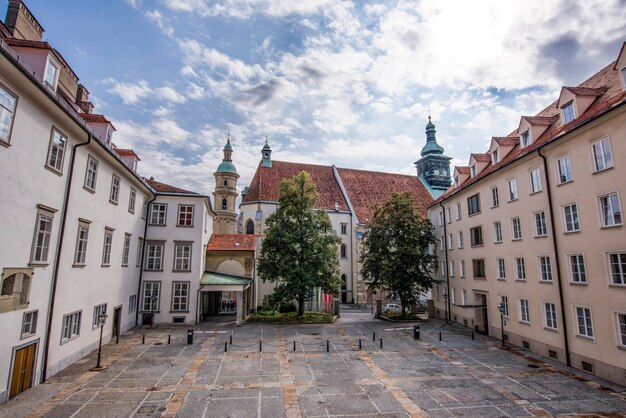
(482, 322)
(23, 366)
(344, 289)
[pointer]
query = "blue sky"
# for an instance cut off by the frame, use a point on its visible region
(349, 83)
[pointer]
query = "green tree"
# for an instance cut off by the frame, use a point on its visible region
(299, 251)
(395, 252)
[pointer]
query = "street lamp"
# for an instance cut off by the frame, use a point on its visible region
(445, 302)
(102, 319)
(501, 308)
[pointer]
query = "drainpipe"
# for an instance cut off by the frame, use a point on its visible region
(556, 254)
(57, 261)
(445, 247)
(143, 249)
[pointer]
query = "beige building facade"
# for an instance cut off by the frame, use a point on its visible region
(534, 227)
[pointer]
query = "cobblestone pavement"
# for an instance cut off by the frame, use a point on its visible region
(326, 375)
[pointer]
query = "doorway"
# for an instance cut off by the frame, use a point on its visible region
(482, 322)
(23, 367)
(344, 289)
(117, 321)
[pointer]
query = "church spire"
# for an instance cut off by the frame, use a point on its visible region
(225, 193)
(227, 165)
(433, 169)
(266, 154)
(431, 147)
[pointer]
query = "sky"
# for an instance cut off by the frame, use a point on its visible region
(343, 82)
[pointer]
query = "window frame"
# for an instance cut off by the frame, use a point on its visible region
(160, 257)
(157, 222)
(574, 222)
(568, 110)
(478, 236)
(73, 326)
(132, 303)
(550, 316)
(54, 64)
(152, 284)
(478, 268)
(568, 175)
(462, 271)
(501, 268)
(98, 310)
(594, 155)
(473, 209)
(461, 238)
(516, 228)
(497, 232)
(621, 328)
(344, 228)
(48, 215)
(126, 250)
(525, 139)
(91, 181)
(603, 216)
(581, 273)
(139, 254)
(183, 245)
(504, 300)
(588, 325)
(520, 268)
(186, 223)
(459, 211)
(544, 263)
(32, 324)
(132, 199)
(534, 177)
(541, 224)
(452, 268)
(8, 92)
(181, 298)
(524, 315)
(513, 190)
(116, 185)
(82, 243)
(621, 272)
(495, 197)
(52, 145)
(107, 246)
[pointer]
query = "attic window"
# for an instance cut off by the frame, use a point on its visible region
(109, 136)
(525, 138)
(494, 156)
(569, 113)
(52, 74)
(473, 170)
(456, 181)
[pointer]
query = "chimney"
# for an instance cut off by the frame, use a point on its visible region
(21, 22)
(82, 94)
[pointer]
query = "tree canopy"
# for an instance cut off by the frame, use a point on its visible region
(395, 252)
(299, 251)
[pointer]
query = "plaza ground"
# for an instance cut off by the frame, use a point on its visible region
(326, 375)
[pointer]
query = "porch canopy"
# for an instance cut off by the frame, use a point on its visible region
(220, 282)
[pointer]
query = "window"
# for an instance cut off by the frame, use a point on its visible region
(16, 289)
(461, 239)
(495, 199)
(180, 296)
(158, 212)
(512, 189)
(139, 252)
(456, 181)
(459, 214)
(151, 294)
(504, 300)
(525, 138)
(497, 231)
(71, 326)
(114, 197)
(611, 210)
(621, 323)
(572, 224)
(442, 268)
(442, 244)
(224, 204)
(97, 311)
(182, 256)
(131, 200)
(473, 171)
(524, 311)
(449, 213)
(569, 113)
(550, 310)
(344, 229)
(452, 269)
(154, 257)
(501, 269)
(479, 268)
(520, 268)
(80, 256)
(494, 156)
(545, 268)
(602, 155)
(56, 151)
(344, 251)
(144, 208)
(51, 75)
(132, 303)
(617, 262)
(464, 297)
(473, 204)
(564, 167)
(462, 270)
(41, 240)
(91, 174)
(476, 236)
(541, 229)
(106, 250)
(126, 250)
(29, 324)
(250, 227)
(516, 226)
(535, 181)
(185, 215)
(440, 217)
(7, 110)
(450, 242)
(577, 266)
(453, 299)
(585, 324)
(109, 136)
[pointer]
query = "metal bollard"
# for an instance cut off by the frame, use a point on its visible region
(381, 343)
(359, 343)
(472, 335)
(260, 345)
(143, 338)
(230, 339)
(327, 346)
(374, 336)
(169, 339)
(117, 338)
(294, 346)
(439, 335)
(189, 336)
(225, 346)
(416, 332)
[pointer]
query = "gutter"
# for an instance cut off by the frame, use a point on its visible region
(447, 300)
(558, 259)
(57, 261)
(143, 249)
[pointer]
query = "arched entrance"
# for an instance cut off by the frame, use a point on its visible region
(344, 289)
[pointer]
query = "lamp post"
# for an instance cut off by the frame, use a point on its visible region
(445, 302)
(102, 319)
(501, 309)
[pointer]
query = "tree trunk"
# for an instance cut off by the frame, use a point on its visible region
(300, 306)
(403, 306)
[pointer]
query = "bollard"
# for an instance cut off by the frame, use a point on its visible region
(381, 343)
(260, 345)
(416, 332)
(169, 339)
(359, 343)
(374, 337)
(230, 339)
(117, 338)
(189, 336)
(143, 339)
(327, 346)
(472, 335)
(225, 346)
(439, 335)
(294, 346)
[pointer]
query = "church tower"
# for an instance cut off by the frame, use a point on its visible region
(266, 154)
(433, 169)
(225, 194)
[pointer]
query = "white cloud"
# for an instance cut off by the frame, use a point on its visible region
(161, 21)
(133, 93)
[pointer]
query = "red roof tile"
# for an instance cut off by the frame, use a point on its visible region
(232, 242)
(587, 91)
(462, 169)
(265, 185)
(93, 118)
(506, 141)
(483, 158)
(166, 188)
(366, 189)
(541, 120)
(122, 152)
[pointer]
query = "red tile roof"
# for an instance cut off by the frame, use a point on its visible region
(232, 242)
(93, 118)
(166, 188)
(366, 189)
(587, 91)
(25, 43)
(481, 157)
(506, 141)
(462, 169)
(541, 120)
(607, 78)
(122, 152)
(265, 185)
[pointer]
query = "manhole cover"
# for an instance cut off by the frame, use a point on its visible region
(532, 366)
(158, 343)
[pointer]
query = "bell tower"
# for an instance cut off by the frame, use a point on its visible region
(433, 169)
(225, 194)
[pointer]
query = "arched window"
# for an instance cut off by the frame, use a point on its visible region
(224, 204)
(250, 227)
(344, 252)
(225, 182)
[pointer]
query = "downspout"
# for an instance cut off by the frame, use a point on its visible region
(558, 261)
(57, 261)
(445, 248)
(143, 249)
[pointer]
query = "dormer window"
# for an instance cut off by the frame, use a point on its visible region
(456, 181)
(623, 72)
(525, 138)
(52, 74)
(109, 136)
(473, 170)
(494, 156)
(569, 113)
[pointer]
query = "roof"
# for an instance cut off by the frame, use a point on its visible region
(93, 118)
(123, 152)
(232, 242)
(607, 79)
(25, 43)
(265, 185)
(541, 120)
(506, 141)
(481, 157)
(166, 188)
(210, 278)
(366, 189)
(587, 91)
(462, 169)
(226, 167)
